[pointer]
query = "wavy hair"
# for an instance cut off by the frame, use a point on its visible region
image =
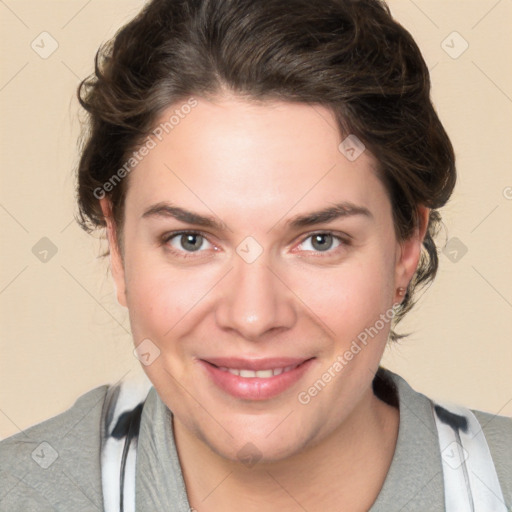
(347, 55)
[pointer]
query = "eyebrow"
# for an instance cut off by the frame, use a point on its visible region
(339, 210)
(167, 210)
(336, 211)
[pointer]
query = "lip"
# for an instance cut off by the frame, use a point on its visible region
(255, 364)
(255, 388)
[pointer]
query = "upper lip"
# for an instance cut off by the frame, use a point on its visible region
(256, 364)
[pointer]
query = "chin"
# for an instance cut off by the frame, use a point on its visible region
(257, 443)
(258, 451)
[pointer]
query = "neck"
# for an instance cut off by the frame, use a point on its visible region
(343, 471)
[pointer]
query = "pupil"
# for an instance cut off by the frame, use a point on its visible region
(322, 242)
(191, 242)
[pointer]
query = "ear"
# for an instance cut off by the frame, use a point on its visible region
(409, 252)
(116, 262)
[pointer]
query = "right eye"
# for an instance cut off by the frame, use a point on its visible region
(186, 242)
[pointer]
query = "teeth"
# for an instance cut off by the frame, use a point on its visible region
(262, 374)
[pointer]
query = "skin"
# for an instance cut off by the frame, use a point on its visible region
(253, 166)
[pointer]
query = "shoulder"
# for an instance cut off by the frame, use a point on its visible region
(497, 429)
(55, 465)
(498, 433)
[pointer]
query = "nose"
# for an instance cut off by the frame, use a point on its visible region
(255, 301)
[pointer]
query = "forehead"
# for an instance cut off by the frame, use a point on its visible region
(250, 155)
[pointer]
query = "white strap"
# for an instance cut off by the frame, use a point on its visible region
(120, 399)
(470, 480)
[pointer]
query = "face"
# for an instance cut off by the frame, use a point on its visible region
(253, 244)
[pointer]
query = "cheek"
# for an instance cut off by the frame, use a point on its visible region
(164, 301)
(350, 297)
(156, 298)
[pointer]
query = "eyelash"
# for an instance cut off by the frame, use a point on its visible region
(344, 241)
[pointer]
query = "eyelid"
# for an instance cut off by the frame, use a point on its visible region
(171, 234)
(338, 234)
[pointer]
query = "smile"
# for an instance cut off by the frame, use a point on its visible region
(255, 379)
(262, 374)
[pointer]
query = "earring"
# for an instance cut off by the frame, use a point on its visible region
(401, 291)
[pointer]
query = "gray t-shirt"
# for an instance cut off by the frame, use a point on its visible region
(55, 465)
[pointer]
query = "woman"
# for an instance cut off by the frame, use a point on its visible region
(269, 175)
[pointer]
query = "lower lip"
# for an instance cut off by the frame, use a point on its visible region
(255, 388)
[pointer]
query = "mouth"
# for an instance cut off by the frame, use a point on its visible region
(255, 379)
(262, 374)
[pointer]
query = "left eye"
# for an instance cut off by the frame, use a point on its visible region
(188, 242)
(321, 242)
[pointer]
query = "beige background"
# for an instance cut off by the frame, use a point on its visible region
(63, 332)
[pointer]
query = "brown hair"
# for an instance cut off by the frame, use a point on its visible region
(347, 55)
